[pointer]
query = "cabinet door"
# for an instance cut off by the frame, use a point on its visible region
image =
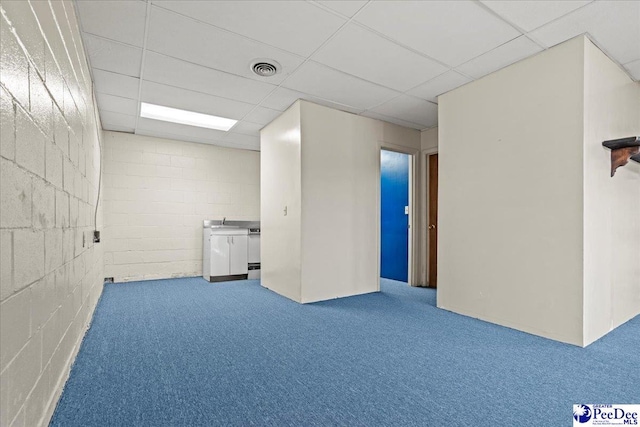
(239, 246)
(206, 254)
(220, 255)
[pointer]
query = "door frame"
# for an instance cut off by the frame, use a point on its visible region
(425, 231)
(414, 207)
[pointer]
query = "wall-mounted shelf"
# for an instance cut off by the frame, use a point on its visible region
(623, 150)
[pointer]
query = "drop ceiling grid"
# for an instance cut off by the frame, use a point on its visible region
(258, 112)
(111, 55)
(145, 37)
(345, 9)
(297, 27)
(258, 105)
(316, 97)
(398, 93)
(576, 18)
(173, 34)
(522, 21)
(334, 101)
(308, 59)
(129, 28)
(522, 44)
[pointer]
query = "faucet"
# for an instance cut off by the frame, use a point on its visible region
(223, 220)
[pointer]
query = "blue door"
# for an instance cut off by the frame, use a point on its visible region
(394, 199)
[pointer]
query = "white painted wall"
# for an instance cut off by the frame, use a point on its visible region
(340, 173)
(611, 205)
(549, 242)
(280, 258)
(511, 196)
(429, 139)
(335, 157)
(51, 272)
(158, 191)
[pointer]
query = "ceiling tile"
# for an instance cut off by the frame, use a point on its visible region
(333, 85)
(282, 98)
(176, 35)
(163, 69)
(117, 104)
(530, 14)
(296, 26)
(613, 25)
(179, 129)
(109, 55)
(439, 85)
(410, 109)
(170, 96)
(190, 138)
(500, 57)
(262, 115)
(247, 128)
(116, 84)
(452, 32)
(112, 119)
(369, 56)
(334, 105)
(634, 69)
(123, 21)
(347, 8)
(377, 116)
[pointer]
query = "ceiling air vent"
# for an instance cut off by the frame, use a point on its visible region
(265, 67)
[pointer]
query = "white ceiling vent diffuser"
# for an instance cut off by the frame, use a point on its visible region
(265, 67)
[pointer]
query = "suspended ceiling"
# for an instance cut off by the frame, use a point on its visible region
(387, 60)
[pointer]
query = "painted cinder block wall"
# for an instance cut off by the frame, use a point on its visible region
(51, 272)
(158, 191)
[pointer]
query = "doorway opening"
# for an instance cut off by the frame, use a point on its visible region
(395, 215)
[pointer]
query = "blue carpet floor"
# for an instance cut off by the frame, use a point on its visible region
(185, 352)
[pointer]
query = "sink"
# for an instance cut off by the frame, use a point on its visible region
(224, 226)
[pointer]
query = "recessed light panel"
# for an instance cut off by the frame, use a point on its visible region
(184, 117)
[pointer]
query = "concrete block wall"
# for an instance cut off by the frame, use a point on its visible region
(51, 272)
(158, 191)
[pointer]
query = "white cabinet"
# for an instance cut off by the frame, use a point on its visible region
(225, 254)
(220, 255)
(238, 262)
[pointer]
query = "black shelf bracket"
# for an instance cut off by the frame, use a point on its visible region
(623, 150)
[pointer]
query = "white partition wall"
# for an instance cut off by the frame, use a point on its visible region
(322, 165)
(339, 203)
(280, 204)
(611, 205)
(530, 223)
